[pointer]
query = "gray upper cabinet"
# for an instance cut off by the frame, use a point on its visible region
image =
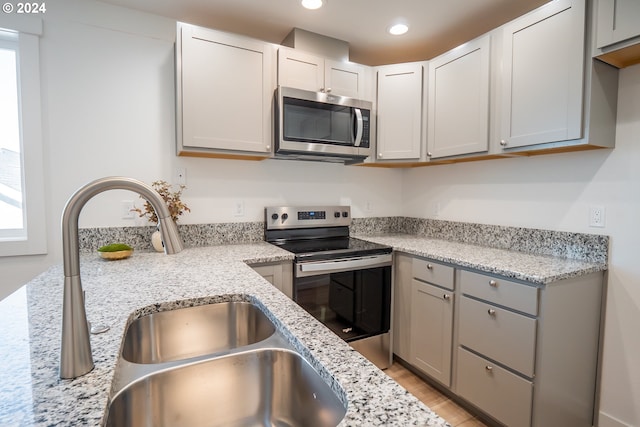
(306, 71)
(225, 86)
(617, 40)
(618, 20)
(458, 107)
(542, 81)
(399, 114)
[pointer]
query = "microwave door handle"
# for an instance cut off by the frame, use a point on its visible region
(359, 126)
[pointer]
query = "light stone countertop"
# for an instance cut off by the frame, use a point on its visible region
(31, 394)
(533, 268)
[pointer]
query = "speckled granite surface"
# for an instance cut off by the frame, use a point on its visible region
(536, 269)
(193, 235)
(32, 394)
(579, 246)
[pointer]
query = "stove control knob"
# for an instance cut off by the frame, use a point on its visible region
(274, 216)
(336, 214)
(285, 216)
(345, 214)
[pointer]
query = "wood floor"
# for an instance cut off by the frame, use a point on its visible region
(439, 403)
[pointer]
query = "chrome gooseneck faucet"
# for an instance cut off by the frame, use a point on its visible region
(75, 353)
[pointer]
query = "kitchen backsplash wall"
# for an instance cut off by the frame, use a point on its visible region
(587, 247)
(193, 235)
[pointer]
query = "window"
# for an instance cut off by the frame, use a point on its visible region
(11, 200)
(22, 207)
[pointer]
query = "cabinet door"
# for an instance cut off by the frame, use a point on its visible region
(431, 330)
(224, 91)
(542, 98)
(279, 275)
(458, 111)
(617, 21)
(300, 70)
(402, 278)
(344, 79)
(399, 112)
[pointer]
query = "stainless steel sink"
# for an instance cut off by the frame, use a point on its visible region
(264, 387)
(194, 331)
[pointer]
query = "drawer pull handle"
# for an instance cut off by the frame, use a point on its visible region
(446, 296)
(429, 266)
(489, 368)
(493, 283)
(491, 312)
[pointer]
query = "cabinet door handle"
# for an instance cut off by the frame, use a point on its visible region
(493, 283)
(429, 267)
(491, 312)
(446, 296)
(489, 368)
(503, 142)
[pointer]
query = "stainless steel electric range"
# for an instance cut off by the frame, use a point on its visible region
(342, 281)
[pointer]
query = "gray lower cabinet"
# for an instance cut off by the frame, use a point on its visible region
(497, 391)
(431, 337)
(522, 354)
(402, 278)
(279, 274)
(423, 315)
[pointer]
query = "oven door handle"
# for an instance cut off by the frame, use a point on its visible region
(347, 264)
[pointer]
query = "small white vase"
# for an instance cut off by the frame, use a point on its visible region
(156, 241)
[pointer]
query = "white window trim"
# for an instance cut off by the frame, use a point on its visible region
(28, 32)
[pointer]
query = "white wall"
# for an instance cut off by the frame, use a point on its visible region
(108, 109)
(555, 192)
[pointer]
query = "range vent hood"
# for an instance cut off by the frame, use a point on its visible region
(327, 47)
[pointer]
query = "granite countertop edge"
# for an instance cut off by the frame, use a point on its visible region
(529, 267)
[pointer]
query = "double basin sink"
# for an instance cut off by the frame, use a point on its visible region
(221, 364)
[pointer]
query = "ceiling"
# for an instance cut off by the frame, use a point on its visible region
(435, 25)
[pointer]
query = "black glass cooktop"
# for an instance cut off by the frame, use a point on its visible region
(332, 248)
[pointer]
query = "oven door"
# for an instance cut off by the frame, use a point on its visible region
(352, 297)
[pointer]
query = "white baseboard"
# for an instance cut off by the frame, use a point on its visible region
(606, 420)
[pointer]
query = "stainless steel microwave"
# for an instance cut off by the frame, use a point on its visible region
(321, 126)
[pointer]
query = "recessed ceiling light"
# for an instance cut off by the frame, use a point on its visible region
(398, 29)
(312, 4)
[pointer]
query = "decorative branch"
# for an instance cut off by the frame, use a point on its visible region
(172, 198)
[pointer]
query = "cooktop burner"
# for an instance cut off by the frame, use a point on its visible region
(316, 233)
(318, 249)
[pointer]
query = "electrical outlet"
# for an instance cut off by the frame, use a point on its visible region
(181, 176)
(596, 216)
(127, 209)
(368, 207)
(238, 208)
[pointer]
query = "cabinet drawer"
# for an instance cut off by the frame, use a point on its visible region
(500, 393)
(432, 272)
(499, 334)
(500, 291)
